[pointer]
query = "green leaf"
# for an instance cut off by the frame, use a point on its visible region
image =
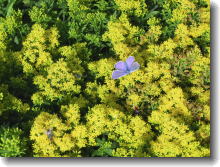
(151, 14)
(4, 151)
(16, 40)
(10, 7)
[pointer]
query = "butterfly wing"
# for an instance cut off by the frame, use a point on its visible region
(121, 66)
(118, 73)
(134, 66)
(124, 68)
(129, 61)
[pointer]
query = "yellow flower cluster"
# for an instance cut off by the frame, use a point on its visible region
(121, 32)
(175, 140)
(53, 137)
(138, 6)
(58, 84)
(34, 55)
(131, 135)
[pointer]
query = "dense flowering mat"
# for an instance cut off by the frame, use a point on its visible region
(121, 78)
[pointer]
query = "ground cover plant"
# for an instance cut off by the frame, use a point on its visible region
(57, 94)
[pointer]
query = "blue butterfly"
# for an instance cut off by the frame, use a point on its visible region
(124, 68)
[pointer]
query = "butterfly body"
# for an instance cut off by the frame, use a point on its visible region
(125, 68)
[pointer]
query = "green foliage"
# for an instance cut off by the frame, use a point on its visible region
(105, 148)
(56, 86)
(12, 144)
(6, 7)
(10, 102)
(38, 15)
(87, 24)
(10, 29)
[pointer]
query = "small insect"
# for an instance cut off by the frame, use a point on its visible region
(49, 133)
(136, 110)
(124, 68)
